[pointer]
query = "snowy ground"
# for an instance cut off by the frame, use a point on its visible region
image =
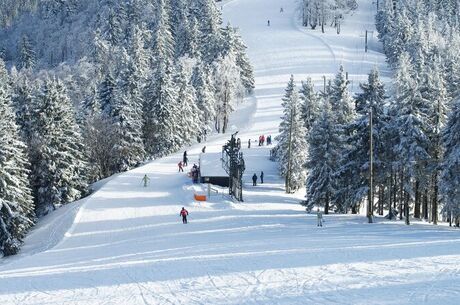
(126, 245)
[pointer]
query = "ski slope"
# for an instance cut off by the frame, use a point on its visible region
(125, 244)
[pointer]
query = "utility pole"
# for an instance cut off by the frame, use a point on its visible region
(288, 174)
(365, 42)
(370, 203)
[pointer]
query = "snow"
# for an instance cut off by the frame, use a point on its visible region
(211, 165)
(125, 244)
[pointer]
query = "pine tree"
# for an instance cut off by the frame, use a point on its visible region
(23, 98)
(355, 161)
(189, 124)
(206, 12)
(27, 58)
(106, 94)
(323, 156)
(16, 206)
(204, 98)
(58, 160)
(342, 103)
(161, 114)
(228, 88)
(292, 145)
(412, 124)
(450, 180)
(233, 43)
(310, 101)
(127, 115)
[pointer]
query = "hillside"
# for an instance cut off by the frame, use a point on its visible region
(126, 244)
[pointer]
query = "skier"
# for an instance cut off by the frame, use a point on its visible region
(263, 140)
(319, 215)
(261, 177)
(254, 180)
(185, 159)
(203, 150)
(281, 10)
(184, 214)
(249, 143)
(145, 180)
(181, 168)
(268, 22)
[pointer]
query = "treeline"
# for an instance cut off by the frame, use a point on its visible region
(159, 75)
(416, 142)
(415, 153)
(320, 13)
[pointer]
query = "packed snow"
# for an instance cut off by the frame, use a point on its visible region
(125, 244)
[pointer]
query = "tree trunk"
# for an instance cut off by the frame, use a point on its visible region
(417, 200)
(326, 205)
(401, 195)
(406, 208)
(434, 206)
(425, 205)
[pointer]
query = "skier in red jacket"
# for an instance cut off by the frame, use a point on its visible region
(184, 214)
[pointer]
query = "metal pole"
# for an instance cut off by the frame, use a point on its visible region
(370, 203)
(365, 43)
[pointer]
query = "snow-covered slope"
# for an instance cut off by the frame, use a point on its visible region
(127, 245)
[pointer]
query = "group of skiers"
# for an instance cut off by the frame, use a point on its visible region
(254, 178)
(262, 140)
(183, 163)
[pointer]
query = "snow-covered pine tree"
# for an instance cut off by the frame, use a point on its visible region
(114, 31)
(355, 161)
(204, 98)
(58, 161)
(26, 53)
(341, 101)
(324, 144)
(292, 144)
(23, 97)
(234, 43)
(163, 41)
(434, 95)
(106, 94)
(310, 100)
(340, 98)
(209, 16)
(189, 124)
(412, 123)
(180, 26)
(228, 88)
(450, 179)
(127, 115)
(162, 114)
(16, 205)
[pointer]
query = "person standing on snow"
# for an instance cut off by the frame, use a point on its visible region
(145, 180)
(185, 159)
(203, 150)
(319, 215)
(254, 180)
(268, 22)
(281, 10)
(249, 143)
(181, 169)
(261, 177)
(184, 214)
